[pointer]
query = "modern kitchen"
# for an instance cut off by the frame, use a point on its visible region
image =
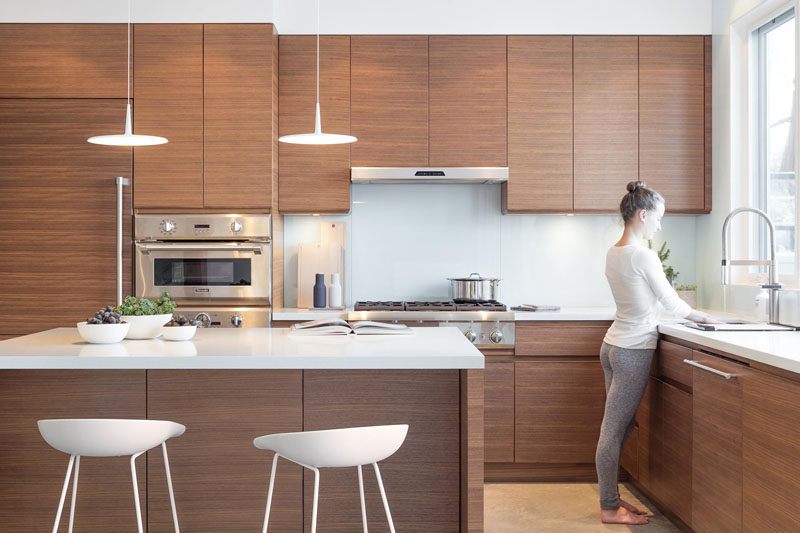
(299, 264)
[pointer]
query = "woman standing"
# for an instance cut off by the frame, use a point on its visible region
(640, 290)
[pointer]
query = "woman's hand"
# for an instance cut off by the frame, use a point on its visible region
(703, 318)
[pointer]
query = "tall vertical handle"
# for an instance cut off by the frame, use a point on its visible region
(121, 182)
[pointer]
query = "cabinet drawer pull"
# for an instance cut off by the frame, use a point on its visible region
(708, 369)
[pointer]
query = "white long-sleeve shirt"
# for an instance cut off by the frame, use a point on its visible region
(640, 289)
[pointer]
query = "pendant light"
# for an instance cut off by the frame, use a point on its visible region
(128, 138)
(317, 137)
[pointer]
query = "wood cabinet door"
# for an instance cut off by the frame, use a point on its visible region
(771, 453)
(468, 101)
(539, 125)
(540, 338)
(220, 479)
(606, 120)
(498, 397)
(58, 205)
(672, 119)
(558, 410)
(717, 446)
(314, 178)
(33, 472)
(237, 116)
(64, 61)
(168, 97)
(389, 100)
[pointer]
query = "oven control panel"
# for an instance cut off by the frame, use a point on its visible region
(201, 227)
(479, 333)
(227, 317)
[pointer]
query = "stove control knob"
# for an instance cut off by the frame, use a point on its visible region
(236, 321)
(167, 226)
(496, 336)
(470, 335)
(236, 226)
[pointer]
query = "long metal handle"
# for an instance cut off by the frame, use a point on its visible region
(708, 369)
(121, 182)
(256, 248)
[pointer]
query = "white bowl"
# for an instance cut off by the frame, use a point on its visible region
(145, 326)
(178, 333)
(102, 333)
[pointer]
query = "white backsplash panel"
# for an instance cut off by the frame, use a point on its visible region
(404, 241)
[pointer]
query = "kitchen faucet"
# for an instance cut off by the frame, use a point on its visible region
(772, 285)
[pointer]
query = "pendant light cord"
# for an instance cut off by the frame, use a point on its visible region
(129, 53)
(317, 52)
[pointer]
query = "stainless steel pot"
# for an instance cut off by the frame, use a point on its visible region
(474, 288)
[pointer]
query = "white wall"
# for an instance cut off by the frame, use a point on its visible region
(404, 241)
(383, 16)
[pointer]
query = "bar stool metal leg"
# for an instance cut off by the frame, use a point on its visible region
(383, 496)
(169, 485)
(63, 493)
(316, 498)
(74, 492)
(363, 503)
(136, 492)
(269, 494)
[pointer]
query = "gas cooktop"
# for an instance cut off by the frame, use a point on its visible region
(456, 305)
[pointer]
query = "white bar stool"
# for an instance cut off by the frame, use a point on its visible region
(99, 437)
(335, 448)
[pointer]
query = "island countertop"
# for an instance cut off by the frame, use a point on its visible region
(248, 348)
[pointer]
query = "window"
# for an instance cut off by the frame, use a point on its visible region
(774, 186)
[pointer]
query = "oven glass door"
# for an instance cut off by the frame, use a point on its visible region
(235, 272)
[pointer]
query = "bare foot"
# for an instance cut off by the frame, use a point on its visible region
(632, 508)
(621, 516)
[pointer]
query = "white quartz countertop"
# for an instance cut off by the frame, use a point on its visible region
(780, 349)
(249, 348)
(567, 313)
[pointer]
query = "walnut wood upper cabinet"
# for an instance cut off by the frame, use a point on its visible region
(313, 178)
(58, 204)
(468, 101)
(168, 96)
(63, 61)
(539, 125)
(606, 120)
(498, 396)
(717, 445)
(771, 453)
(389, 100)
(237, 116)
(672, 119)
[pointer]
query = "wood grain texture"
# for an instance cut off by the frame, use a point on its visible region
(668, 363)
(558, 411)
(277, 218)
(468, 107)
(717, 446)
(422, 479)
(539, 124)
(559, 338)
(499, 411)
(32, 473)
(771, 453)
(237, 113)
(538, 473)
(708, 140)
(389, 100)
(63, 61)
(220, 479)
(168, 92)
(606, 120)
(672, 119)
(58, 200)
(314, 179)
(472, 450)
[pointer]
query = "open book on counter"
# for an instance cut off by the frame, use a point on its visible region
(337, 326)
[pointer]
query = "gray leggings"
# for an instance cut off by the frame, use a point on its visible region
(626, 373)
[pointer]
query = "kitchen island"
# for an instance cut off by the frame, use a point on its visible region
(227, 387)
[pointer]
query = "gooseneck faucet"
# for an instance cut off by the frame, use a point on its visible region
(772, 264)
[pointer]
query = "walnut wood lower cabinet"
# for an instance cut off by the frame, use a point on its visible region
(498, 411)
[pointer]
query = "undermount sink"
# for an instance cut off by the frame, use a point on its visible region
(740, 325)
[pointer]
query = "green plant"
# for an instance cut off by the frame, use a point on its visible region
(689, 287)
(663, 255)
(131, 306)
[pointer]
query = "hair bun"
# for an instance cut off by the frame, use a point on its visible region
(634, 186)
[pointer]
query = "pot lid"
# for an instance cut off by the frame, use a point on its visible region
(474, 277)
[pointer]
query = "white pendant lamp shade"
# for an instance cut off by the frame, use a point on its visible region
(127, 138)
(317, 137)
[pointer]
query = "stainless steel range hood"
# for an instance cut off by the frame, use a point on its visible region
(429, 174)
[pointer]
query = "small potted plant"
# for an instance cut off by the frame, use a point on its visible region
(688, 293)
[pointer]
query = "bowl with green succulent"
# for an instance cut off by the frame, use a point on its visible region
(145, 316)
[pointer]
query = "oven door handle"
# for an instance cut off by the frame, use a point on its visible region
(255, 248)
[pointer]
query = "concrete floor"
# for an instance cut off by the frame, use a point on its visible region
(559, 507)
